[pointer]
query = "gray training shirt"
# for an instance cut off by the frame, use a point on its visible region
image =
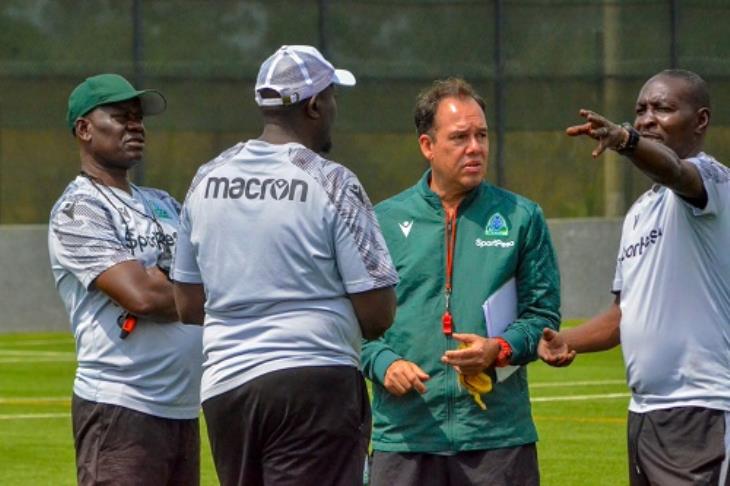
(156, 369)
(278, 236)
(673, 272)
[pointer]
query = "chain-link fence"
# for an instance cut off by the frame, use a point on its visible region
(536, 62)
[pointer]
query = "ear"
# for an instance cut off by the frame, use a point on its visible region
(703, 120)
(82, 129)
(426, 143)
(312, 107)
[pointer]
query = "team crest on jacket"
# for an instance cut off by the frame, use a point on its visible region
(496, 226)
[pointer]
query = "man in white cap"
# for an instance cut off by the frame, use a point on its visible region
(281, 258)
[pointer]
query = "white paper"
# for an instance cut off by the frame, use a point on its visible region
(500, 310)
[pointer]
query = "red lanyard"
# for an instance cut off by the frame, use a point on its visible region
(447, 321)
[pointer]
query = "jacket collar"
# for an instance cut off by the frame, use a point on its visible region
(432, 198)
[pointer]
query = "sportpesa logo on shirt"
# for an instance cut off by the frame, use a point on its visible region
(645, 242)
(156, 239)
(254, 188)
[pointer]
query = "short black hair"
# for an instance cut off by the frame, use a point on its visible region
(428, 100)
(698, 91)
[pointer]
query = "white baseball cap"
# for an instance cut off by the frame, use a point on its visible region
(297, 73)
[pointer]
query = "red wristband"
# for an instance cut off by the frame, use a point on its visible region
(505, 353)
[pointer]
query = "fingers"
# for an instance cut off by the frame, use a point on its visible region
(403, 376)
(420, 374)
(553, 350)
(564, 360)
(590, 129)
(548, 334)
(596, 127)
(419, 386)
(464, 338)
(602, 145)
(599, 132)
(576, 130)
(480, 353)
(471, 351)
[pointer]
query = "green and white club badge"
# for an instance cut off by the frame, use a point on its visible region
(496, 226)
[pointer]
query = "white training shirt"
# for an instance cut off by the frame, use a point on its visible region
(278, 236)
(157, 368)
(673, 273)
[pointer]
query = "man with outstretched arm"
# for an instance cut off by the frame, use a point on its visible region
(671, 311)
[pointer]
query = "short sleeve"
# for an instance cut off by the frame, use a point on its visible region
(86, 240)
(716, 179)
(361, 253)
(618, 279)
(184, 264)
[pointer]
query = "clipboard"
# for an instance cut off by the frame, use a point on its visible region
(500, 310)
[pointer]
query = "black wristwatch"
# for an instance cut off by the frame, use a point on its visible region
(631, 142)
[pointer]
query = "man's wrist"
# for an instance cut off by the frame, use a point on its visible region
(505, 353)
(630, 140)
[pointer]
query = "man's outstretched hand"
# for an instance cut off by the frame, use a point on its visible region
(608, 134)
(553, 349)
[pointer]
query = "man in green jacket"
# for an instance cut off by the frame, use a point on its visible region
(478, 283)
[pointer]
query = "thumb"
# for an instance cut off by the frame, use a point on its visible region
(422, 375)
(548, 334)
(463, 338)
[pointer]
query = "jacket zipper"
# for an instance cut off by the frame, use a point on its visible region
(447, 320)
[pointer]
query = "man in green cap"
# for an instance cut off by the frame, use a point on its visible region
(136, 393)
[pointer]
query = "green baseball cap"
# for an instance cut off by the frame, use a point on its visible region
(104, 89)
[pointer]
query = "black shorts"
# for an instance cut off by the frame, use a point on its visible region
(116, 445)
(677, 446)
(509, 466)
(294, 427)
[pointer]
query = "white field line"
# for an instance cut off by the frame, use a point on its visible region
(24, 356)
(35, 360)
(32, 416)
(42, 400)
(40, 342)
(558, 384)
(569, 398)
(33, 400)
(24, 352)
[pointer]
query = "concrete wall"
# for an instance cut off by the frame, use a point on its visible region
(28, 298)
(586, 248)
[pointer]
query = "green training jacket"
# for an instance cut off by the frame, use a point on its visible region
(499, 235)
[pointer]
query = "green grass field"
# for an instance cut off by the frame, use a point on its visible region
(580, 412)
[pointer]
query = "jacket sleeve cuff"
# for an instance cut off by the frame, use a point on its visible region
(520, 349)
(505, 353)
(384, 359)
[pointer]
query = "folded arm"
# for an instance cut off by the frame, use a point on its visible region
(190, 302)
(143, 292)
